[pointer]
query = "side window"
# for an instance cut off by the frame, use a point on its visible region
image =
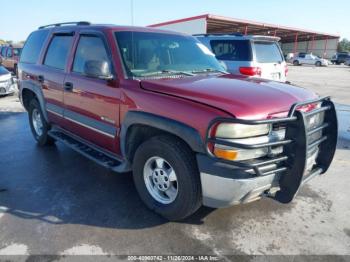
(90, 48)
(3, 51)
(57, 53)
(31, 50)
(9, 52)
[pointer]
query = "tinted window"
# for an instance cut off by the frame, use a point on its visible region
(146, 54)
(90, 48)
(3, 51)
(57, 53)
(9, 52)
(267, 52)
(232, 50)
(32, 48)
(17, 51)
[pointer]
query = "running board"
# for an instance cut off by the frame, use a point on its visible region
(93, 153)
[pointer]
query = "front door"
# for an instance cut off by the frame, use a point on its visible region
(91, 103)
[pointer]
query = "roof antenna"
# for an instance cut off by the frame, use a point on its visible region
(132, 11)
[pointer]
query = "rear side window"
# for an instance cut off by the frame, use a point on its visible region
(90, 48)
(31, 51)
(267, 52)
(3, 51)
(57, 53)
(232, 50)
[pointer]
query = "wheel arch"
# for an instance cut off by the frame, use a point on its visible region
(30, 91)
(137, 127)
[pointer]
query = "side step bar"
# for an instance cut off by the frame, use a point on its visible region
(93, 153)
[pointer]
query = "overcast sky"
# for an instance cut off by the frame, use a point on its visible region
(22, 17)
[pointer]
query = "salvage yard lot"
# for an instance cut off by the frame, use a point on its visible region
(60, 203)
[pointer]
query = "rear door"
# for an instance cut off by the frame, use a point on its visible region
(268, 56)
(92, 104)
(53, 73)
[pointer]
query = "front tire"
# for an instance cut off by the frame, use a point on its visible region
(318, 63)
(38, 124)
(296, 63)
(167, 178)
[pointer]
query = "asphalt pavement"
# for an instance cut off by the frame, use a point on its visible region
(57, 202)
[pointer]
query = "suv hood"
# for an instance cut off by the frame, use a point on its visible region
(241, 97)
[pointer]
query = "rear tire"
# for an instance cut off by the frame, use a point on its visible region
(38, 124)
(296, 63)
(177, 158)
(318, 63)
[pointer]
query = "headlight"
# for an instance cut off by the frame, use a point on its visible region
(249, 135)
(231, 131)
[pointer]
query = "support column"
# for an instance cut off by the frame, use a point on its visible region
(246, 30)
(312, 43)
(296, 43)
(325, 48)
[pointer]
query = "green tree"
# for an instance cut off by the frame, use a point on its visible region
(344, 45)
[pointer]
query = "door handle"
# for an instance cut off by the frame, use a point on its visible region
(41, 78)
(68, 86)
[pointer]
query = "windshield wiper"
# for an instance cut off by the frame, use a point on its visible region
(209, 70)
(164, 72)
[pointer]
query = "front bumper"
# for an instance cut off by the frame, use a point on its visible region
(226, 183)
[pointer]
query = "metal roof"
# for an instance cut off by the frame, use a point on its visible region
(220, 24)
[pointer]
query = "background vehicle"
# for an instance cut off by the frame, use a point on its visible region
(309, 59)
(2, 52)
(257, 56)
(347, 62)
(7, 83)
(340, 58)
(159, 104)
(10, 57)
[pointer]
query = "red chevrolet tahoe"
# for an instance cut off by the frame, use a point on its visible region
(159, 104)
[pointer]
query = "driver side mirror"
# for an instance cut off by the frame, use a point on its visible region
(98, 69)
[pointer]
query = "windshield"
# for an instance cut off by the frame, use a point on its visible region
(147, 54)
(3, 71)
(268, 52)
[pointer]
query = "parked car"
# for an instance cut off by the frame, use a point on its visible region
(159, 104)
(340, 58)
(7, 83)
(309, 59)
(10, 57)
(257, 56)
(347, 62)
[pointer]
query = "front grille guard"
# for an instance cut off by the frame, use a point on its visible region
(292, 162)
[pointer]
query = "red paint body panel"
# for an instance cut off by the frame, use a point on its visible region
(241, 97)
(194, 101)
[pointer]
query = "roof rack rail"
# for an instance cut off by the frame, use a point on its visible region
(66, 23)
(218, 34)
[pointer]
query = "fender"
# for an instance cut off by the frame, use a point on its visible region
(36, 89)
(185, 132)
